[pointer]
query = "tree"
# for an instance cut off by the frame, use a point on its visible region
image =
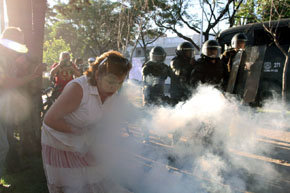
(178, 14)
(61, 30)
(146, 32)
(246, 14)
(92, 27)
(52, 49)
(29, 15)
(273, 10)
(236, 5)
(148, 37)
(252, 11)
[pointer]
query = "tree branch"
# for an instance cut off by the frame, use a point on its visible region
(223, 12)
(183, 37)
(194, 28)
(212, 15)
(150, 42)
(235, 9)
(274, 36)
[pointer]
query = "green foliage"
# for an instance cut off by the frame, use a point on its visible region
(91, 28)
(52, 49)
(94, 26)
(273, 9)
(252, 11)
(246, 13)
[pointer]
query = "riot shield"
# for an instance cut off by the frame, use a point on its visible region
(234, 71)
(253, 64)
(153, 89)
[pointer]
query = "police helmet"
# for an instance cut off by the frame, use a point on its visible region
(157, 54)
(211, 49)
(185, 49)
(239, 37)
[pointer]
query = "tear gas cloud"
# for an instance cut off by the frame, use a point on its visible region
(202, 141)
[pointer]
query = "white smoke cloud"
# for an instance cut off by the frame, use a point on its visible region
(217, 145)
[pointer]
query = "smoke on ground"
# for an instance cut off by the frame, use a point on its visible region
(196, 146)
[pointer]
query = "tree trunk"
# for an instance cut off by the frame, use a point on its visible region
(32, 141)
(19, 15)
(29, 15)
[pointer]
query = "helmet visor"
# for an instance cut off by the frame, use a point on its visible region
(212, 52)
(157, 58)
(188, 52)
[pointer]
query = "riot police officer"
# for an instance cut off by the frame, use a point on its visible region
(155, 72)
(182, 66)
(209, 68)
(238, 44)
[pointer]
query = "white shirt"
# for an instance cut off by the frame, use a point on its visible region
(85, 119)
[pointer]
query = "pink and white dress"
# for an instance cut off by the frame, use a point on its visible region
(68, 161)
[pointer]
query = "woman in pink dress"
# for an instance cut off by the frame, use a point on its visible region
(69, 163)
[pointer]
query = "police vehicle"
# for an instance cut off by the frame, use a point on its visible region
(264, 61)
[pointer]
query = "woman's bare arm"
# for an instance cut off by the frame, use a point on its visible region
(67, 102)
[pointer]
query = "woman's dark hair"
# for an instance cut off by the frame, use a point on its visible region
(109, 62)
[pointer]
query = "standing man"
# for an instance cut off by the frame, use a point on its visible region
(12, 60)
(182, 66)
(91, 61)
(209, 68)
(155, 72)
(238, 43)
(80, 64)
(63, 72)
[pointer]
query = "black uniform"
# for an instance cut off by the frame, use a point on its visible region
(207, 72)
(228, 59)
(181, 67)
(154, 76)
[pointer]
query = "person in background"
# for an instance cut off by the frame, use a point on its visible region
(80, 64)
(69, 163)
(63, 71)
(155, 72)
(91, 61)
(238, 43)
(209, 67)
(182, 65)
(12, 60)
